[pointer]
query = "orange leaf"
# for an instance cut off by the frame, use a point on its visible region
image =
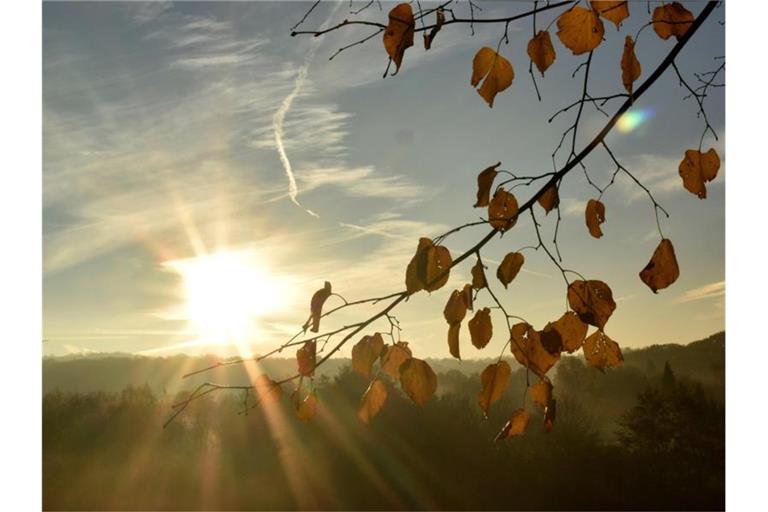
(418, 380)
(484, 183)
(372, 401)
(570, 330)
(580, 30)
(630, 66)
(594, 215)
(497, 71)
(515, 426)
(454, 312)
(429, 262)
(510, 266)
(615, 12)
(662, 270)
(494, 380)
(671, 20)
(541, 393)
(549, 199)
(698, 168)
(365, 352)
(398, 36)
(592, 301)
(305, 357)
(541, 51)
(316, 305)
(307, 408)
(528, 350)
(393, 357)
(428, 38)
(481, 328)
(478, 276)
(502, 210)
(601, 351)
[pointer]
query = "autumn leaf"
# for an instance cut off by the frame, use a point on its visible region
(515, 426)
(602, 352)
(615, 12)
(267, 390)
(372, 401)
(541, 51)
(393, 357)
(418, 380)
(481, 328)
(594, 214)
(570, 330)
(454, 312)
(466, 296)
(307, 408)
(698, 168)
(305, 357)
(580, 30)
(365, 352)
(484, 183)
(502, 210)
(541, 393)
(671, 20)
(630, 66)
(428, 38)
(316, 305)
(662, 270)
(592, 301)
(528, 350)
(510, 266)
(398, 36)
(478, 276)
(494, 381)
(429, 262)
(549, 199)
(549, 415)
(496, 70)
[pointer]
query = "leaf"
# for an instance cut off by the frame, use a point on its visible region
(549, 415)
(429, 262)
(365, 352)
(428, 38)
(571, 331)
(509, 268)
(698, 168)
(307, 408)
(453, 340)
(671, 20)
(497, 71)
(478, 276)
(481, 328)
(515, 426)
(494, 381)
(502, 210)
(267, 390)
(398, 36)
(549, 199)
(418, 380)
(484, 183)
(602, 352)
(592, 301)
(630, 66)
(393, 357)
(662, 270)
(305, 357)
(528, 350)
(541, 393)
(580, 30)
(466, 296)
(372, 401)
(541, 51)
(454, 312)
(316, 305)
(594, 215)
(615, 12)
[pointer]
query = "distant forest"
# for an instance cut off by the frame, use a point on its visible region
(650, 435)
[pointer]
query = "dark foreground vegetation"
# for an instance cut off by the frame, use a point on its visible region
(648, 436)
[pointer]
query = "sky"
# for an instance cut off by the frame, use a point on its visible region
(201, 167)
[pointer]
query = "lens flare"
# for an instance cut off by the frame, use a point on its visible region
(632, 120)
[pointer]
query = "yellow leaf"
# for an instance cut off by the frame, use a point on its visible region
(478, 276)
(484, 183)
(594, 214)
(698, 168)
(541, 393)
(580, 30)
(510, 266)
(528, 350)
(398, 36)
(316, 305)
(615, 12)
(307, 408)
(671, 20)
(592, 301)
(365, 352)
(393, 357)
(418, 380)
(541, 51)
(549, 199)
(429, 262)
(497, 71)
(515, 426)
(502, 210)
(494, 381)
(662, 270)
(630, 66)
(305, 357)
(428, 38)
(372, 401)
(481, 328)
(601, 351)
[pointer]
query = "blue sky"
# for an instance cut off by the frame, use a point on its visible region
(159, 146)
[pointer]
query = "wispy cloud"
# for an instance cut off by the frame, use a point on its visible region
(708, 291)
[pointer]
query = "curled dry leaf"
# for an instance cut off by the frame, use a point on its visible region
(550, 199)
(496, 70)
(372, 401)
(307, 408)
(478, 276)
(454, 312)
(615, 12)
(494, 381)
(267, 390)
(515, 426)
(698, 168)
(466, 296)
(541, 51)
(305, 358)
(602, 352)
(592, 301)
(481, 328)
(580, 30)
(594, 214)
(365, 352)
(398, 36)
(528, 350)
(316, 305)
(393, 356)
(484, 183)
(509, 267)
(428, 38)
(541, 393)
(570, 330)
(671, 20)
(630, 66)
(549, 415)
(502, 210)
(418, 380)
(425, 270)
(662, 270)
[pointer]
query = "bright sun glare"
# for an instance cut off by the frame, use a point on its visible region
(225, 293)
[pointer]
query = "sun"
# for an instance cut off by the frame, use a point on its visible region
(226, 293)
